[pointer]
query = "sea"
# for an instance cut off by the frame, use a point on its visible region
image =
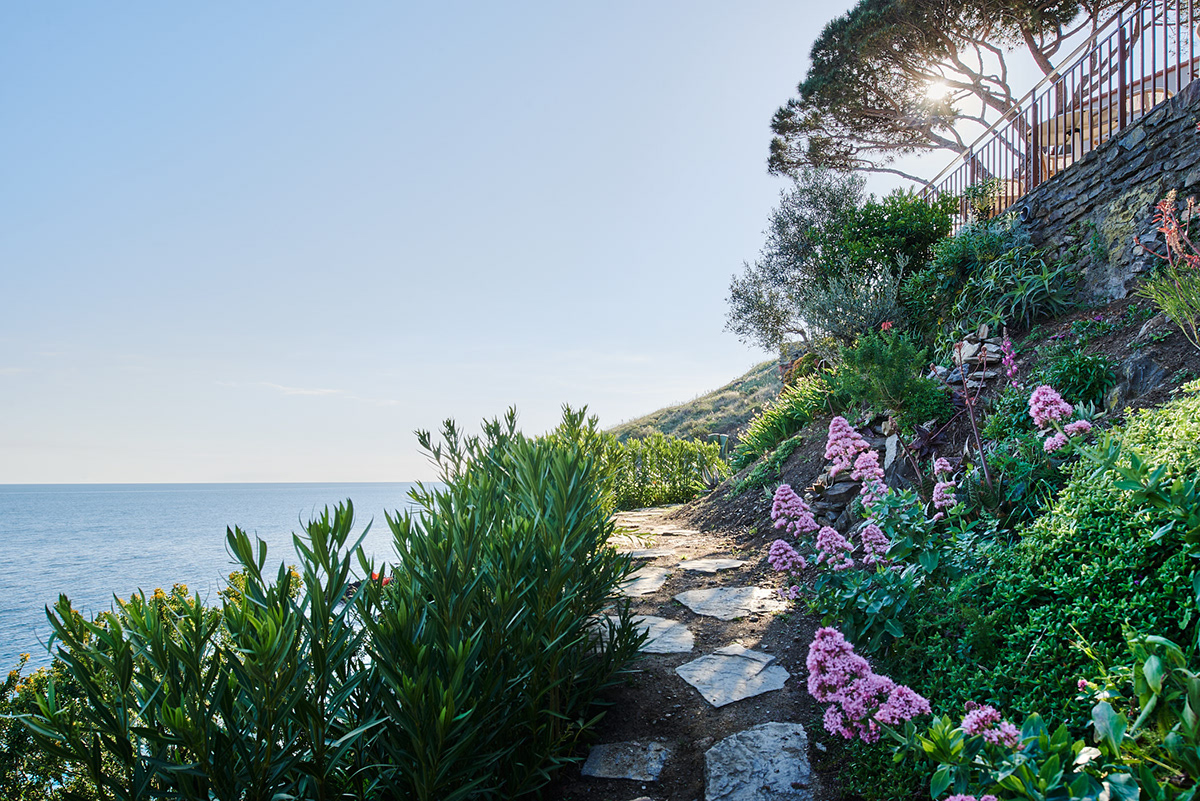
(93, 541)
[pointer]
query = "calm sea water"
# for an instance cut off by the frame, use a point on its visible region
(91, 541)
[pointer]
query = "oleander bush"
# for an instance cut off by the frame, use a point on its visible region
(658, 470)
(468, 670)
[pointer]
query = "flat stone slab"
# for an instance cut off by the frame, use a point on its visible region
(733, 673)
(644, 581)
(766, 763)
(637, 761)
(727, 603)
(710, 565)
(666, 636)
(649, 553)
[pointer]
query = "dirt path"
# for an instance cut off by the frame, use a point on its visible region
(660, 722)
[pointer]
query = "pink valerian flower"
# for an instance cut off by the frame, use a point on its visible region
(1009, 360)
(1047, 406)
(791, 513)
(833, 549)
(783, 557)
(962, 797)
(868, 471)
(1078, 428)
(986, 721)
(859, 699)
(941, 467)
(842, 445)
(790, 593)
(1082, 684)
(1054, 442)
(943, 495)
(875, 544)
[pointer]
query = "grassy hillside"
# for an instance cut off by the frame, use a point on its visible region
(722, 411)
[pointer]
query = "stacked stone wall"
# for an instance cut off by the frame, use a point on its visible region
(1096, 211)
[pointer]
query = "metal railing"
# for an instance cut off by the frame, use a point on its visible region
(1141, 57)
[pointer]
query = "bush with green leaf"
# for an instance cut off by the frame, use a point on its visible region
(1080, 377)
(1018, 288)
(658, 470)
(1175, 287)
(781, 419)
(470, 671)
(884, 371)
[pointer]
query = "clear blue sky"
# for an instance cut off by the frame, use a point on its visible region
(266, 241)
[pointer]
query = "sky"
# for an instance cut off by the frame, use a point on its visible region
(268, 241)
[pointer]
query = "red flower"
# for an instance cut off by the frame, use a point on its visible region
(887, 326)
(387, 580)
(374, 577)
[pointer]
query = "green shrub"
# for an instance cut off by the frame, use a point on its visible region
(795, 408)
(930, 293)
(1017, 289)
(770, 468)
(883, 371)
(658, 470)
(846, 308)
(1175, 289)
(469, 672)
(1011, 635)
(1080, 377)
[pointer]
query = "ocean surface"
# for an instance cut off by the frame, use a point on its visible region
(91, 541)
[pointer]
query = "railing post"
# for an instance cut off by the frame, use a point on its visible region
(970, 168)
(1122, 84)
(1035, 147)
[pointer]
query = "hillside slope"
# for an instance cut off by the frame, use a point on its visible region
(722, 411)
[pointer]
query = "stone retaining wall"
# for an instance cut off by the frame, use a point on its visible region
(1099, 206)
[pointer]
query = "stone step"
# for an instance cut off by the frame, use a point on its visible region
(710, 565)
(666, 636)
(728, 603)
(733, 673)
(645, 581)
(768, 762)
(637, 761)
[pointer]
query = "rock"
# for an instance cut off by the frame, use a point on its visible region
(633, 760)
(891, 449)
(648, 553)
(710, 565)
(727, 603)
(1138, 375)
(966, 352)
(666, 636)
(733, 673)
(645, 580)
(842, 490)
(766, 763)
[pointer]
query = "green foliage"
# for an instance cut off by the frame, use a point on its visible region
(848, 307)
(659, 470)
(470, 672)
(1024, 480)
(28, 772)
(930, 294)
(803, 367)
(868, 605)
(795, 408)
(1017, 289)
(770, 468)
(832, 261)
(883, 371)
(1080, 377)
(1175, 290)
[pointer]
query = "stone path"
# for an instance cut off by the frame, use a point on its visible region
(763, 762)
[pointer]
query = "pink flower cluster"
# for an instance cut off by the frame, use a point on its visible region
(943, 494)
(783, 557)
(1078, 428)
(868, 471)
(843, 445)
(1054, 442)
(1009, 360)
(1047, 406)
(941, 467)
(859, 699)
(789, 594)
(790, 512)
(962, 797)
(875, 544)
(985, 720)
(833, 549)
